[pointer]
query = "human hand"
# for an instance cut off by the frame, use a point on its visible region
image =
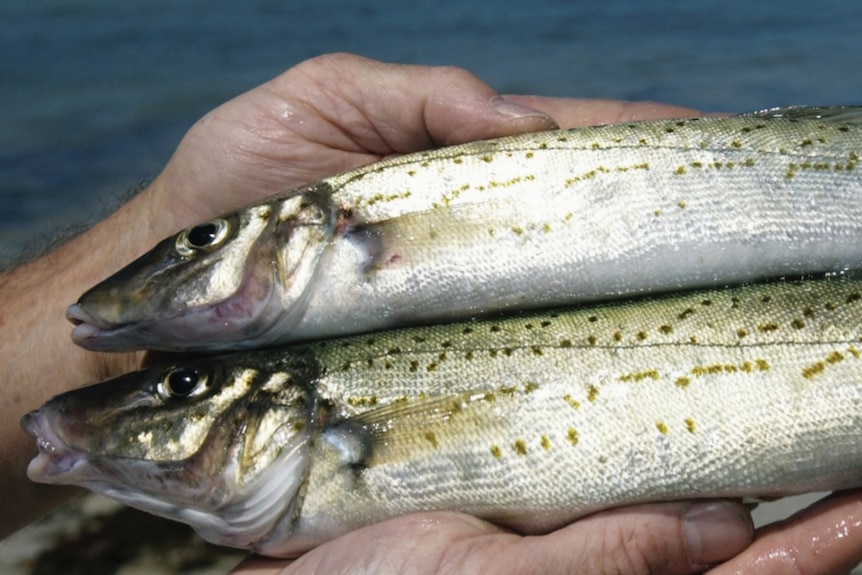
(667, 538)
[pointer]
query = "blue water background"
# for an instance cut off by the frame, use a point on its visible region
(96, 94)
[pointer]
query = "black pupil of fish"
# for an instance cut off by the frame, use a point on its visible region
(203, 235)
(183, 380)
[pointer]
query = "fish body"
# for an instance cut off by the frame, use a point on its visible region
(528, 221)
(530, 421)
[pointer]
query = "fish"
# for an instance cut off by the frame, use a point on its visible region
(530, 420)
(530, 221)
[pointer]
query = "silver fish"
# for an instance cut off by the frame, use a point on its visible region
(528, 221)
(529, 421)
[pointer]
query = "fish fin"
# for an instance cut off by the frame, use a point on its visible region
(833, 114)
(408, 428)
(415, 237)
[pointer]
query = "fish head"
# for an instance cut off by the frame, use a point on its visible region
(213, 286)
(221, 445)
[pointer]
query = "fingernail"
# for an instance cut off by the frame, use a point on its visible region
(514, 110)
(716, 530)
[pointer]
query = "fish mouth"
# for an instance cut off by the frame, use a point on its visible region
(56, 462)
(209, 327)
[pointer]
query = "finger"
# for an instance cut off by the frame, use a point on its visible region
(824, 539)
(576, 112)
(401, 108)
(661, 538)
(667, 538)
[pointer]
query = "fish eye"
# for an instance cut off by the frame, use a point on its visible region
(205, 235)
(182, 381)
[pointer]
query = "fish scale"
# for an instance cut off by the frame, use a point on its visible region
(533, 220)
(530, 420)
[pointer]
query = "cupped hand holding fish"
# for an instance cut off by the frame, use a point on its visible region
(322, 117)
(665, 538)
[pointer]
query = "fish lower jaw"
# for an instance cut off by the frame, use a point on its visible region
(56, 462)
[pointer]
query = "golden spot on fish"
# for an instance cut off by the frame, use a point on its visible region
(592, 319)
(853, 351)
(546, 443)
(686, 313)
(808, 312)
(431, 367)
(657, 213)
(495, 328)
(363, 401)
(495, 451)
(414, 366)
(766, 327)
(706, 302)
(640, 375)
(520, 447)
(546, 228)
(489, 397)
(572, 436)
(834, 357)
(853, 297)
(643, 142)
(741, 332)
(797, 323)
(665, 329)
(529, 155)
(419, 339)
(572, 401)
(592, 393)
(810, 371)
(468, 355)
(545, 323)
(591, 340)
(536, 350)
(507, 351)
(458, 160)
(682, 382)
(596, 146)
(830, 306)
(679, 171)
(490, 231)
(641, 335)
(530, 387)
(508, 389)
(432, 439)
(689, 424)
(662, 427)
(467, 330)
(762, 364)
(618, 336)
(565, 343)
(697, 165)
(736, 144)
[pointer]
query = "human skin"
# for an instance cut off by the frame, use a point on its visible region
(327, 115)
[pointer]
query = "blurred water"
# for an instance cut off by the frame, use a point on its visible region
(96, 94)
